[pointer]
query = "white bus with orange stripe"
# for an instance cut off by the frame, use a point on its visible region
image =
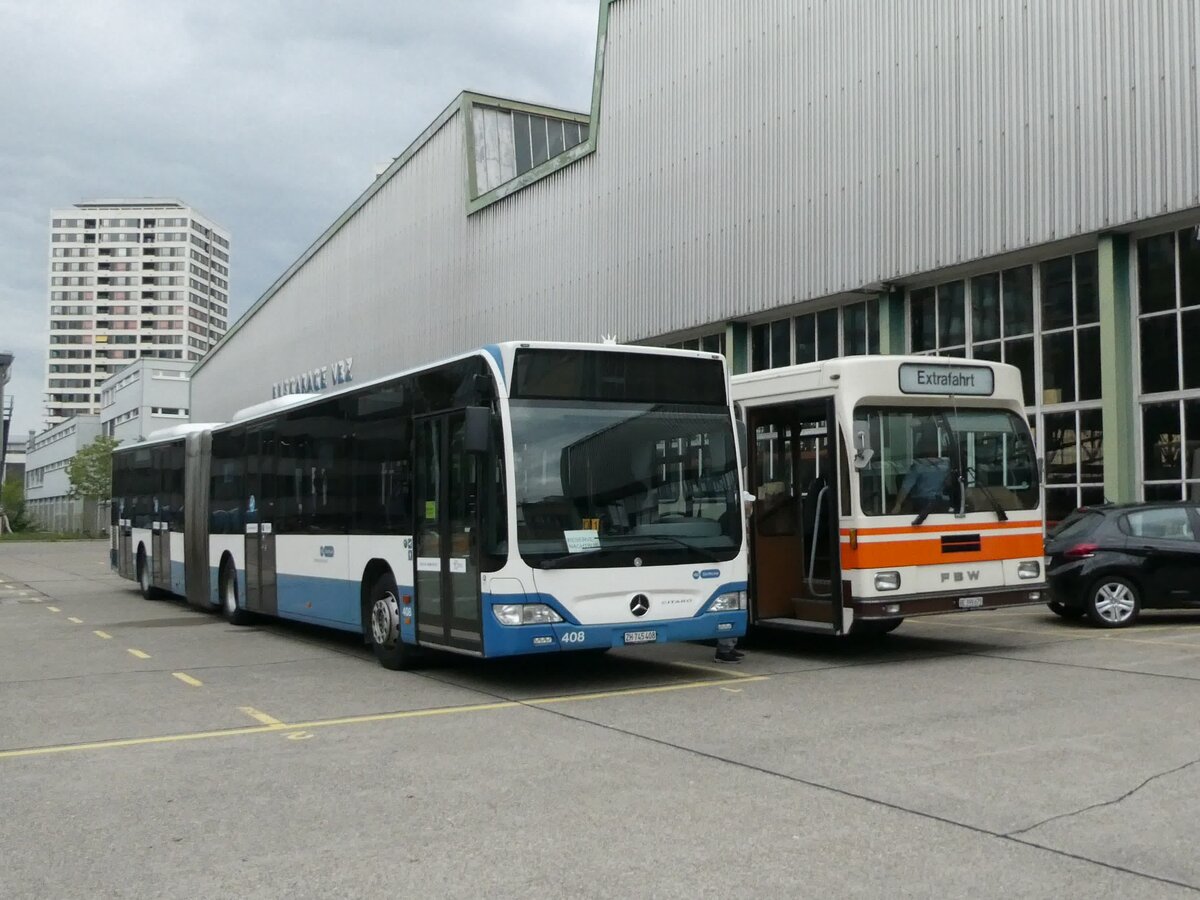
(888, 487)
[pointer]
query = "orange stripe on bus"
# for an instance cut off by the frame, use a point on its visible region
(896, 554)
(982, 527)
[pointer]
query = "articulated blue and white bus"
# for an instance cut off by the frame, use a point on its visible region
(524, 498)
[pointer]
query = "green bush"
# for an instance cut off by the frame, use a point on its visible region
(12, 502)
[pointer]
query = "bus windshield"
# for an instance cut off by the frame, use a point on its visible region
(930, 460)
(603, 484)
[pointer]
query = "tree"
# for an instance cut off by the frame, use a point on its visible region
(12, 504)
(91, 470)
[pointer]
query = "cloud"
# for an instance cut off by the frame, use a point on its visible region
(269, 117)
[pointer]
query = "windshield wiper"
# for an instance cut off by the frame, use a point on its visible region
(1001, 515)
(650, 538)
(630, 542)
(558, 562)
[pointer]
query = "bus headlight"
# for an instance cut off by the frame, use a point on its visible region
(525, 614)
(731, 602)
(887, 581)
(1029, 569)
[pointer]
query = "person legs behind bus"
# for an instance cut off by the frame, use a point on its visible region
(727, 651)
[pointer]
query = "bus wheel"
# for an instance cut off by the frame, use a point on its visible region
(233, 613)
(874, 627)
(143, 577)
(382, 626)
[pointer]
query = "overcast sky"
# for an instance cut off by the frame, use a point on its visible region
(267, 116)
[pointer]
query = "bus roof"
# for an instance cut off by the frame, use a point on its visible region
(876, 376)
(500, 355)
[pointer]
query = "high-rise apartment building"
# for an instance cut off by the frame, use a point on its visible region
(129, 279)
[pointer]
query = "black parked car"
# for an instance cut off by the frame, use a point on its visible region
(1110, 562)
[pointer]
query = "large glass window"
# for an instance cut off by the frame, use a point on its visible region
(603, 484)
(831, 333)
(1168, 281)
(937, 319)
(1044, 320)
(929, 460)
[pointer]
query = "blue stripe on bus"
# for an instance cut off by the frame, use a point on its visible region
(334, 603)
(513, 640)
(494, 351)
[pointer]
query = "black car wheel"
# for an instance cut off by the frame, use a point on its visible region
(1067, 612)
(1113, 602)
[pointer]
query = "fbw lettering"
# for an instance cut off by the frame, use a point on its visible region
(959, 576)
(327, 552)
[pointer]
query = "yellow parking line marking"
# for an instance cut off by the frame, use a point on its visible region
(103, 634)
(138, 653)
(75, 620)
(53, 609)
(271, 724)
(923, 620)
(135, 742)
(188, 679)
(1094, 636)
(1129, 640)
(725, 673)
(262, 717)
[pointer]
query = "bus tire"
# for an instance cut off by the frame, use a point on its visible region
(228, 592)
(875, 628)
(381, 626)
(149, 592)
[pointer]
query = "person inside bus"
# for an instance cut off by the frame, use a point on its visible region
(925, 483)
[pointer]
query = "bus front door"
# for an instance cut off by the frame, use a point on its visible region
(448, 611)
(261, 595)
(796, 577)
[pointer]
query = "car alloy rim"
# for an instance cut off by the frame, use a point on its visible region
(385, 621)
(1114, 602)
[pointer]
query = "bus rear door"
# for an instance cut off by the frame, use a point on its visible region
(447, 555)
(795, 569)
(261, 592)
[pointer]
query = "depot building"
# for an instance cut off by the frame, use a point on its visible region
(784, 182)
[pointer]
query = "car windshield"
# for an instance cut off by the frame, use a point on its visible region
(921, 455)
(601, 484)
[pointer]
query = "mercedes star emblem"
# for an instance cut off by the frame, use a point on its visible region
(639, 605)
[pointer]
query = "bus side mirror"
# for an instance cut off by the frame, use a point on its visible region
(477, 429)
(863, 454)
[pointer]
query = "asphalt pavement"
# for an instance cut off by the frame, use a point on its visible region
(150, 750)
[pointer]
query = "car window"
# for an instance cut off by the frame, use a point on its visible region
(1078, 524)
(1171, 524)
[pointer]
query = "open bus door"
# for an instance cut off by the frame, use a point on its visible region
(794, 473)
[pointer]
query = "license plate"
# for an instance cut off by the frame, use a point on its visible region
(641, 637)
(970, 602)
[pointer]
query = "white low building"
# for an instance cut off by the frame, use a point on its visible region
(48, 500)
(143, 397)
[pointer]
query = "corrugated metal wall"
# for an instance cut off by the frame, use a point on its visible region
(753, 155)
